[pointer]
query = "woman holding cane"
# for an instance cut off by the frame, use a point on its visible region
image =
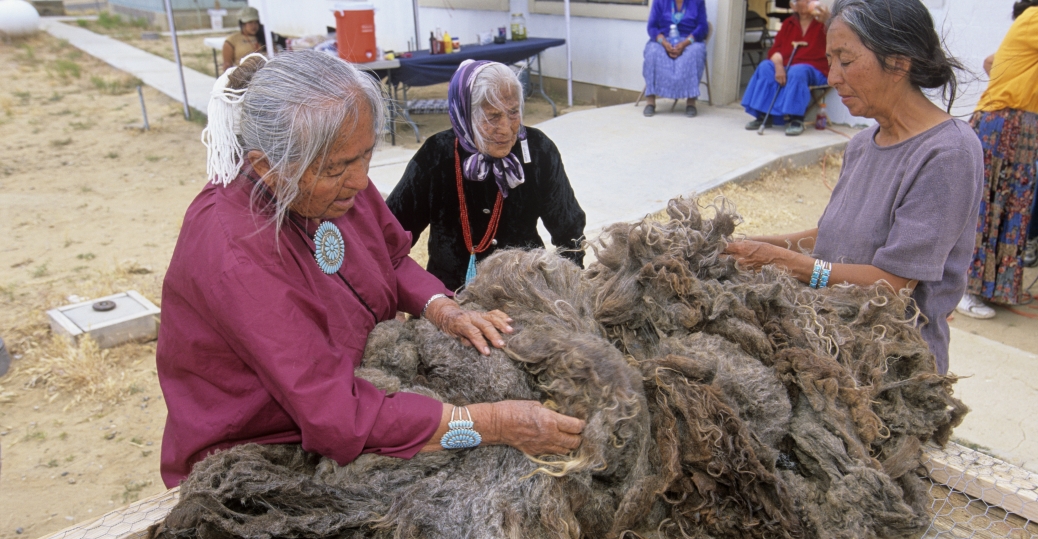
(786, 85)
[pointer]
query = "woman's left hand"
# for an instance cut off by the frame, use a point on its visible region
(679, 48)
(754, 255)
(473, 328)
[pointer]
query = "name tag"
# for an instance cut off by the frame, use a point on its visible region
(526, 151)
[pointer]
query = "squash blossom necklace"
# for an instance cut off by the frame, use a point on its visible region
(466, 231)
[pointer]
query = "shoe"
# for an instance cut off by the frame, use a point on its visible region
(755, 124)
(691, 111)
(796, 127)
(974, 307)
(649, 111)
(1031, 253)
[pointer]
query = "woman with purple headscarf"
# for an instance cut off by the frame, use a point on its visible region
(482, 185)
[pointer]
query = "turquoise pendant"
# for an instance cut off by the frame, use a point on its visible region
(330, 249)
(471, 273)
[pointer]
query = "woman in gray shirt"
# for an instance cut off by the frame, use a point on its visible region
(903, 212)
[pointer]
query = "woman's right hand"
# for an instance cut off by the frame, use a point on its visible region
(534, 429)
(525, 425)
(780, 74)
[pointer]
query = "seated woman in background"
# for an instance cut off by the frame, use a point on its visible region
(674, 63)
(469, 185)
(806, 68)
(904, 211)
(284, 265)
(1006, 121)
(247, 40)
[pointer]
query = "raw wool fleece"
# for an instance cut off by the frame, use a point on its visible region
(720, 403)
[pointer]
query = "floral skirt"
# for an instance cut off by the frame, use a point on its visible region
(1010, 141)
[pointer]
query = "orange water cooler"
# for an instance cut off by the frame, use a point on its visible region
(355, 31)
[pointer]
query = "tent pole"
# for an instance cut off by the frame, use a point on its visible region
(268, 34)
(176, 55)
(569, 59)
(417, 33)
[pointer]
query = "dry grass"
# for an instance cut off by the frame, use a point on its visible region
(75, 374)
(783, 199)
(83, 372)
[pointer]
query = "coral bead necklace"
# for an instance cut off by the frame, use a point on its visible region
(466, 231)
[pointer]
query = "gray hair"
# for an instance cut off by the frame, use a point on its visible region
(493, 83)
(902, 28)
(293, 110)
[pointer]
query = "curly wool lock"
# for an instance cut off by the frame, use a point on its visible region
(719, 403)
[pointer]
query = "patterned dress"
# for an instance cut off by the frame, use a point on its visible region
(1010, 141)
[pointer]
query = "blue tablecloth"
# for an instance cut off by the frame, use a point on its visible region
(423, 68)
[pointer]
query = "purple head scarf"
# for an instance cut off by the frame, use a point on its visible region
(508, 170)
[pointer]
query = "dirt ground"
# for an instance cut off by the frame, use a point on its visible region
(90, 205)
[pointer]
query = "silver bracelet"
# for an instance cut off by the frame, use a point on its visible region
(428, 303)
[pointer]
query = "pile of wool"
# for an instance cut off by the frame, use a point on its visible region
(778, 410)
(558, 356)
(719, 403)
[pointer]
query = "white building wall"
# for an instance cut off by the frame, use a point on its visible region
(608, 52)
(972, 31)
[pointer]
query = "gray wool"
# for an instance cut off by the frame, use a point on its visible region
(719, 403)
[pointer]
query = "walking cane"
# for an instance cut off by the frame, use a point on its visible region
(796, 45)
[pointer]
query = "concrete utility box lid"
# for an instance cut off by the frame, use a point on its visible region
(110, 321)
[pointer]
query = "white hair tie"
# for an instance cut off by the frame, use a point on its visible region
(224, 154)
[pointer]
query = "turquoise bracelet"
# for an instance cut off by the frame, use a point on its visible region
(825, 275)
(460, 434)
(815, 274)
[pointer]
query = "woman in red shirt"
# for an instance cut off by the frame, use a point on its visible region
(792, 80)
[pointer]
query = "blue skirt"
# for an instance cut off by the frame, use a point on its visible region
(793, 98)
(673, 78)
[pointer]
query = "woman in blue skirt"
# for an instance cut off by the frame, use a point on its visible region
(793, 85)
(675, 54)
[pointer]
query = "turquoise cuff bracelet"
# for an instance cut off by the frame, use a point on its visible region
(820, 275)
(460, 434)
(815, 274)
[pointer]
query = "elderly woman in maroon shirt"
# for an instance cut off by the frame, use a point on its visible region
(284, 264)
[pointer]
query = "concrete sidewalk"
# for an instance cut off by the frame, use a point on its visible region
(999, 385)
(624, 166)
(155, 71)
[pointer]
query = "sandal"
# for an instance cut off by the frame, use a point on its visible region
(649, 110)
(974, 307)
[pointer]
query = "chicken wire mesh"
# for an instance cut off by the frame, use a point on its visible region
(978, 496)
(971, 495)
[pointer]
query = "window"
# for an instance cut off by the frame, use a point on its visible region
(632, 10)
(479, 5)
(630, 2)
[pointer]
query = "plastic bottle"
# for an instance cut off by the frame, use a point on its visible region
(448, 45)
(674, 38)
(823, 119)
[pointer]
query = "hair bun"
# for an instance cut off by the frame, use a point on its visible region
(239, 78)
